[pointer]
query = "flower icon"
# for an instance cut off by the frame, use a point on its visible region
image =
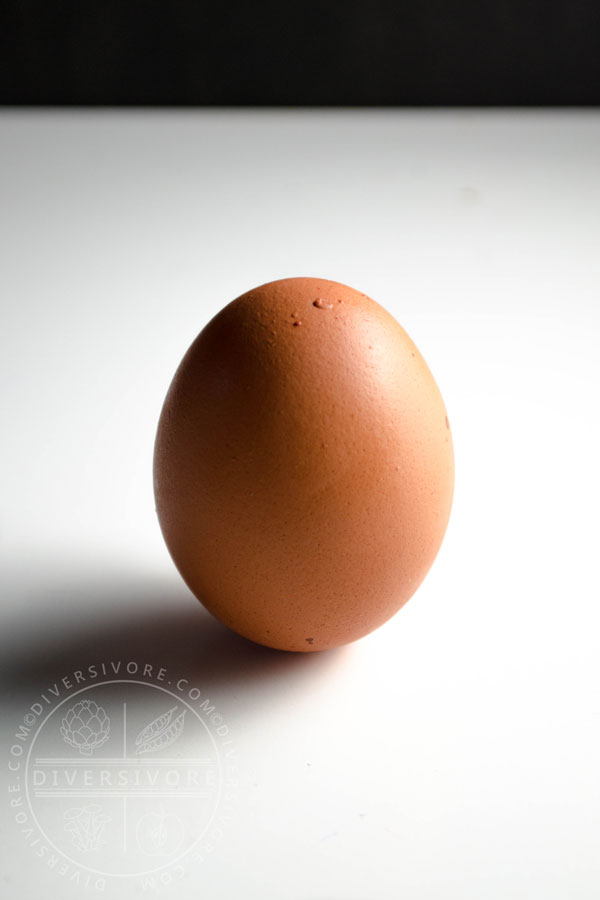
(85, 726)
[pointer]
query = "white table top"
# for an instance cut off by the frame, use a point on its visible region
(454, 752)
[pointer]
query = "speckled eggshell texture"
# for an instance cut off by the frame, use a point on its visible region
(303, 465)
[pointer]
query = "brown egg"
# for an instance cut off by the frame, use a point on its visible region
(303, 466)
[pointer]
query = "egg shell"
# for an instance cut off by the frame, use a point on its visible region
(303, 465)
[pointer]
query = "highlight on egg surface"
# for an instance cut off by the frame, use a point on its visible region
(303, 465)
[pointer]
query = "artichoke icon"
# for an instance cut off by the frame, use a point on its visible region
(85, 726)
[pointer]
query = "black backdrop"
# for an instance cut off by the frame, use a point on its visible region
(357, 52)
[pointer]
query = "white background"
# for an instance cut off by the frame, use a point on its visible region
(453, 753)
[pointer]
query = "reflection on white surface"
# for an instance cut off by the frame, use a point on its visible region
(453, 753)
